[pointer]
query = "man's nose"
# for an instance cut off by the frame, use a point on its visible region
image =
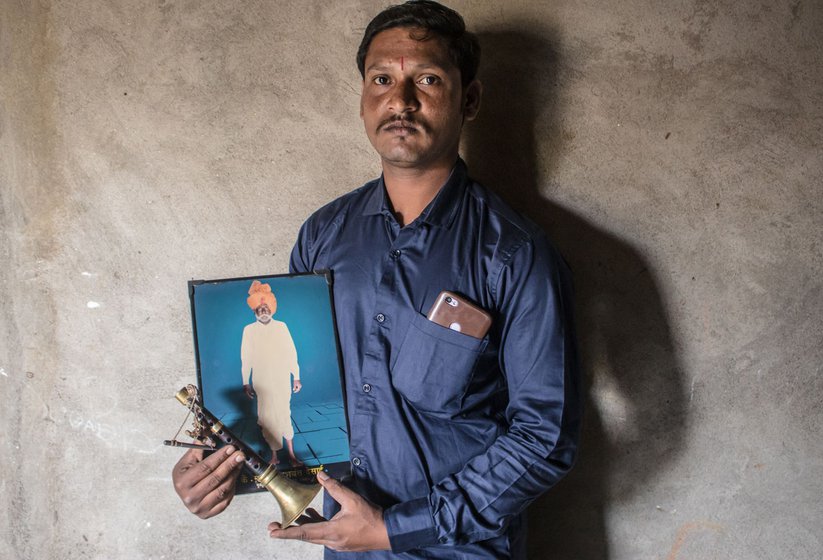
(404, 97)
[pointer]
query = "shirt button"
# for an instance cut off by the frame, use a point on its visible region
(356, 461)
(380, 317)
(396, 253)
(366, 388)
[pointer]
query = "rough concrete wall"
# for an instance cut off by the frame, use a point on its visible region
(672, 149)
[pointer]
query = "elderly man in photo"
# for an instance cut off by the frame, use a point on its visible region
(452, 436)
(269, 360)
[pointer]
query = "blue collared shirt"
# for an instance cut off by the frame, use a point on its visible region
(452, 435)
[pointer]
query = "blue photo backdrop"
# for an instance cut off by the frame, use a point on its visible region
(304, 305)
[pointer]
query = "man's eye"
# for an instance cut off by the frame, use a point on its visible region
(381, 80)
(428, 80)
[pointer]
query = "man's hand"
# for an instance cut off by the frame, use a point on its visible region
(296, 386)
(358, 526)
(249, 391)
(206, 486)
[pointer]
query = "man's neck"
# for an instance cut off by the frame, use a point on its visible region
(410, 190)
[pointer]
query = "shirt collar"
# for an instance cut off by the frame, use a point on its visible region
(440, 211)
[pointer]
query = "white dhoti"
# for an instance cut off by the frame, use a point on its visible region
(269, 358)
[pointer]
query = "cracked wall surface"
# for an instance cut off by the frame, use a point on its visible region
(671, 150)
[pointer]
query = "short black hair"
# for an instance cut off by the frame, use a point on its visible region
(464, 48)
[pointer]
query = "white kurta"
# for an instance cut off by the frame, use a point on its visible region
(268, 354)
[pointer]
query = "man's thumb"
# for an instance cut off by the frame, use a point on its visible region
(340, 493)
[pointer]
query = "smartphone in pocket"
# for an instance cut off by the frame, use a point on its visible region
(458, 314)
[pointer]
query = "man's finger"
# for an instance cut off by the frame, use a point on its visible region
(192, 474)
(216, 509)
(219, 498)
(340, 493)
(213, 460)
(180, 473)
(188, 460)
(218, 468)
(315, 533)
(213, 493)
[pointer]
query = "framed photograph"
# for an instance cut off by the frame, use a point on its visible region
(268, 366)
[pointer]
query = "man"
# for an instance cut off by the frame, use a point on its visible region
(451, 437)
(268, 354)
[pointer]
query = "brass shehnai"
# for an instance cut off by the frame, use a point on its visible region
(292, 497)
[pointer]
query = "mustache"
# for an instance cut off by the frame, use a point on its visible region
(403, 120)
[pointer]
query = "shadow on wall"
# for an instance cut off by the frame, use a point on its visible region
(627, 352)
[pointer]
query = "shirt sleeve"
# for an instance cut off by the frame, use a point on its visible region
(538, 357)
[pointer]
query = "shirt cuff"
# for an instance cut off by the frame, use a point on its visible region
(410, 525)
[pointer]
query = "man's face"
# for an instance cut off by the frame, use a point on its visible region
(413, 104)
(263, 313)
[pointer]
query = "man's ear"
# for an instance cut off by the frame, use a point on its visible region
(471, 100)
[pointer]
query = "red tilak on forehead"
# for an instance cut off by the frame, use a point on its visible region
(401, 63)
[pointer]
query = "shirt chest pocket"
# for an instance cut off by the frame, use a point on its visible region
(434, 366)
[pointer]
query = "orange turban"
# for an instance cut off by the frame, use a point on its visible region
(260, 294)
